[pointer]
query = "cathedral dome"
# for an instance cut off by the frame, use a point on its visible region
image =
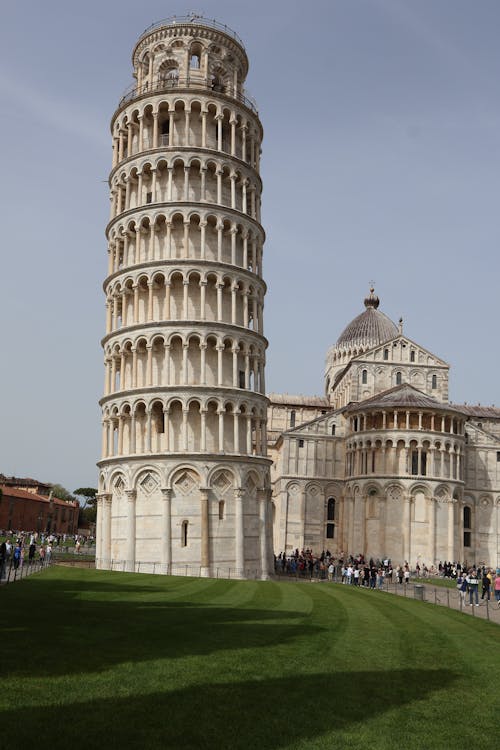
(369, 329)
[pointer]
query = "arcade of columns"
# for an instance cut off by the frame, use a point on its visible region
(405, 451)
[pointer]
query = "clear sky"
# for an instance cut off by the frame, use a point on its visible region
(381, 160)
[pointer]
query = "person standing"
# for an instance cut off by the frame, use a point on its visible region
(17, 555)
(3, 557)
(380, 578)
(486, 583)
(462, 588)
(331, 570)
(473, 583)
(497, 588)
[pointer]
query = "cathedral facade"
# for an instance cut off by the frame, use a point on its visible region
(384, 464)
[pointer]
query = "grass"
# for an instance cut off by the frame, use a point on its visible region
(95, 659)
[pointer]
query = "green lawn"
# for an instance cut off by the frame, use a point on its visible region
(93, 659)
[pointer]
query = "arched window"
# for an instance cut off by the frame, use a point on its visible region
(292, 419)
(217, 84)
(170, 76)
(195, 57)
(331, 509)
(434, 381)
(386, 353)
(412, 355)
(364, 377)
(399, 378)
(221, 510)
(184, 533)
(333, 429)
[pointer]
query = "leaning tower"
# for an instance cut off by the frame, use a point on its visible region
(184, 477)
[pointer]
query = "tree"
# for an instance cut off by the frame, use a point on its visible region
(88, 493)
(61, 493)
(87, 515)
(88, 510)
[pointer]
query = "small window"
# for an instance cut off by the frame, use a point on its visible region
(467, 517)
(467, 538)
(434, 381)
(331, 509)
(292, 419)
(498, 455)
(386, 353)
(364, 377)
(149, 197)
(184, 533)
(423, 464)
(301, 443)
(221, 510)
(330, 530)
(399, 378)
(414, 462)
(333, 429)
(241, 378)
(412, 355)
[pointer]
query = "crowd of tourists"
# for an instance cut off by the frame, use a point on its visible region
(26, 547)
(356, 571)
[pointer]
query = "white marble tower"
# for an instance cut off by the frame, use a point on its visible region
(184, 473)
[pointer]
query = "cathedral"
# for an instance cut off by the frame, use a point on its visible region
(383, 464)
(200, 469)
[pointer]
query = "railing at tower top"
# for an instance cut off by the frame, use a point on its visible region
(167, 84)
(193, 20)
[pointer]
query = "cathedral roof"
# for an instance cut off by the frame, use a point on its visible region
(369, 329)
(401, 396)
(485, 412)
(291, 400)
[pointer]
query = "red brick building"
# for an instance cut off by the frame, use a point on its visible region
(22, 510)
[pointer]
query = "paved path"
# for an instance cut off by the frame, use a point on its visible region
(12, 576)
(446, 597)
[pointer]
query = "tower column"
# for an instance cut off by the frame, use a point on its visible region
(240, 532)
(205, 549)
(166, 531)
(131, 497)
(263, 500)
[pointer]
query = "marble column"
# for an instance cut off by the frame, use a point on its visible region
(451, 530)
(130, 554)
(166, 530)
(106, 531)
(205, 533)
(263, 500)
(407, 529)
(239, 531)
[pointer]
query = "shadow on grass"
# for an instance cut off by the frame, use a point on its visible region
(59, 633)
(266, 714)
